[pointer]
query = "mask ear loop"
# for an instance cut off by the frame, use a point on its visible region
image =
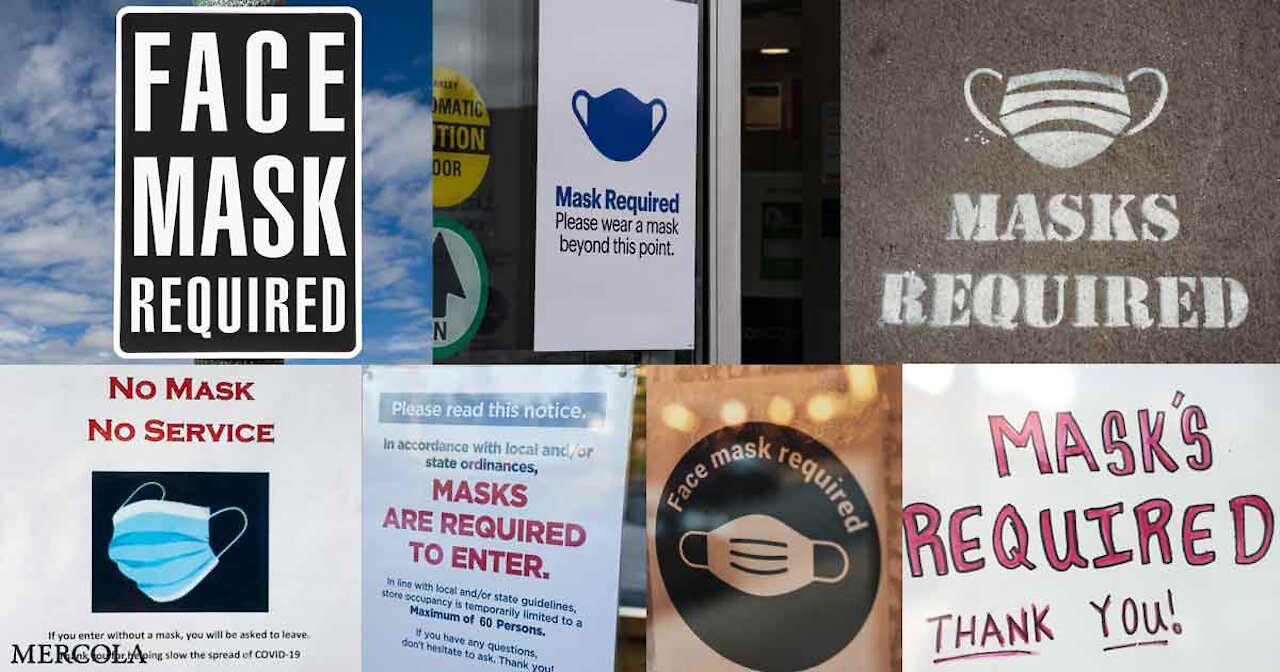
(844, 564)
(573, 102)
(657, 102)
(685, 558)
(973, 105)
(242, 530)
(128, 499)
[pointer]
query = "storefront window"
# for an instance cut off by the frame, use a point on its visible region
(790, 181)
(486, 58)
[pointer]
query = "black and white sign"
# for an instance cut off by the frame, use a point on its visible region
(238, 182)
(778, 531)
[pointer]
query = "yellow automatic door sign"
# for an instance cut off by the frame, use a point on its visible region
(461, 153)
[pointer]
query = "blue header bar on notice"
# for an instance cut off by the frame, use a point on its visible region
(582, 409)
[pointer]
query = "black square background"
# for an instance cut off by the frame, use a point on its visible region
(237, 584)
(293, 142)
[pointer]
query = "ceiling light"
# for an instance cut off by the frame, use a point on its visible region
(775, 51)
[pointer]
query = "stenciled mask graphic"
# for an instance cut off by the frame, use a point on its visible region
(763, 556)
(620, 125)
(164, 546)
(1063, 118)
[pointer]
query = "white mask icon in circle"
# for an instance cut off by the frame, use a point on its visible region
(1063, 118)
(763, 556)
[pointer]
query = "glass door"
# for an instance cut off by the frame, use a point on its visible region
(790, 187)
(485, 83)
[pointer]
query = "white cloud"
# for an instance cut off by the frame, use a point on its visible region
(397, 157)
(14, 337)
(56, 199)
(53, 351)
(47, 218)
(25, 343)
(58, 95)
(410, 340)
(43, 306)
(397, 133)
(96, 338)
(397, 137)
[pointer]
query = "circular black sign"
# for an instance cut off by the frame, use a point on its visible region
(768, 547)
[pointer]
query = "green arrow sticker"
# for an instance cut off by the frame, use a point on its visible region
(460, 291)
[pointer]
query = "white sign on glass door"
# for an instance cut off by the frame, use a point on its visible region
(617, 158)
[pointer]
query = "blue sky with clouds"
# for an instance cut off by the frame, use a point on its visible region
(57, 88)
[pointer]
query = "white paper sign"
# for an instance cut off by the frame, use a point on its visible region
(617, 162)
(493, 516)
(200, 518)
(1108, 518)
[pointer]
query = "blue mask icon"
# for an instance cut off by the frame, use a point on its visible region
(620, 125)
(164, 546)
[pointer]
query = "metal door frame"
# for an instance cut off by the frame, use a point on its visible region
(724, 181)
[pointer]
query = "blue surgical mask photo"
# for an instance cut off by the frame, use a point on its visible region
(163, 546)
